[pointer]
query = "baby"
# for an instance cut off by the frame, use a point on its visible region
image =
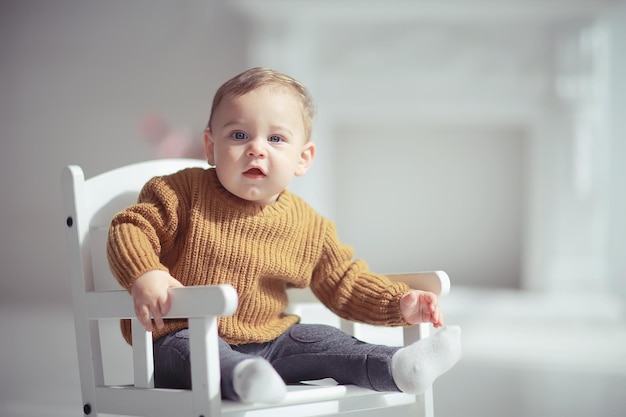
(237, 224)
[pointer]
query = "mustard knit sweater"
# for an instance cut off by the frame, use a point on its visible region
(189, 225)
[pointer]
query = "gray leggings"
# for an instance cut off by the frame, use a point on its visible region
(304, 352)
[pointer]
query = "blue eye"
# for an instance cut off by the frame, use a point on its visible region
(239, 135)
(275, 139)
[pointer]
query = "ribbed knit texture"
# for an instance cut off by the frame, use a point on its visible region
(189, 225)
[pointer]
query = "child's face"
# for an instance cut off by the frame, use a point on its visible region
(257, 143)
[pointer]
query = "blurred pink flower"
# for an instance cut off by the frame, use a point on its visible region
(169, 142)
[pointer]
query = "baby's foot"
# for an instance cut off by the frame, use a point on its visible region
(256, 381)
(415, 367)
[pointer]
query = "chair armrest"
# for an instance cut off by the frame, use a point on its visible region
(202, 301)
(437, 282)
(186, 302)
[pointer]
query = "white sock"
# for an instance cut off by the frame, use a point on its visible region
(415, 367)
(256, 381)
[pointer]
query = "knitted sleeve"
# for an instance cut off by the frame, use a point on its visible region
(350, 290)
(140, 234)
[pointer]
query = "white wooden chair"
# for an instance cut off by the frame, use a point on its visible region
(99, 301)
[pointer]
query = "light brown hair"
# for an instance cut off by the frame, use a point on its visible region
(254, 78)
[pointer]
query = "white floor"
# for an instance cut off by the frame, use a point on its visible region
(536, 355)
(524, 355)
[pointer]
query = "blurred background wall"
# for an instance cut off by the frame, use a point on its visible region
(483, 141)
(77, 79)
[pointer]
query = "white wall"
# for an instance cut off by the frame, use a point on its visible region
(76, 77)
(517, 66)
(617, 240)
(413, 197)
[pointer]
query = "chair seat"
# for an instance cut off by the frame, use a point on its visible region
(317, 398)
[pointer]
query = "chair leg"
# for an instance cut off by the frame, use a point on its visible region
(143, 356)
(411, 335)
(205, 369)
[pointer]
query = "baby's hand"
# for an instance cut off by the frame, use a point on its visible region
(421, 307)
(150, 297)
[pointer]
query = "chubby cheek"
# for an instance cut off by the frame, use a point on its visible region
(218, 156)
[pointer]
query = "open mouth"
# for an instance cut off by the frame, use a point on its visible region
(254, 173)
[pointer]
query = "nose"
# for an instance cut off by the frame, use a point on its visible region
(256, 147)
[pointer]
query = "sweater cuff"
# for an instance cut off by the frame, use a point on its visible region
(376, 301)
(396, 291)
(128, 263)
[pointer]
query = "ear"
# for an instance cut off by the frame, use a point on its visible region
(306, 159)
(209, 147)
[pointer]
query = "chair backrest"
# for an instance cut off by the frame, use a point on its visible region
(90, 204)
(97, 199)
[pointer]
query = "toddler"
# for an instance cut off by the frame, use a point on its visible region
(236, 223)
